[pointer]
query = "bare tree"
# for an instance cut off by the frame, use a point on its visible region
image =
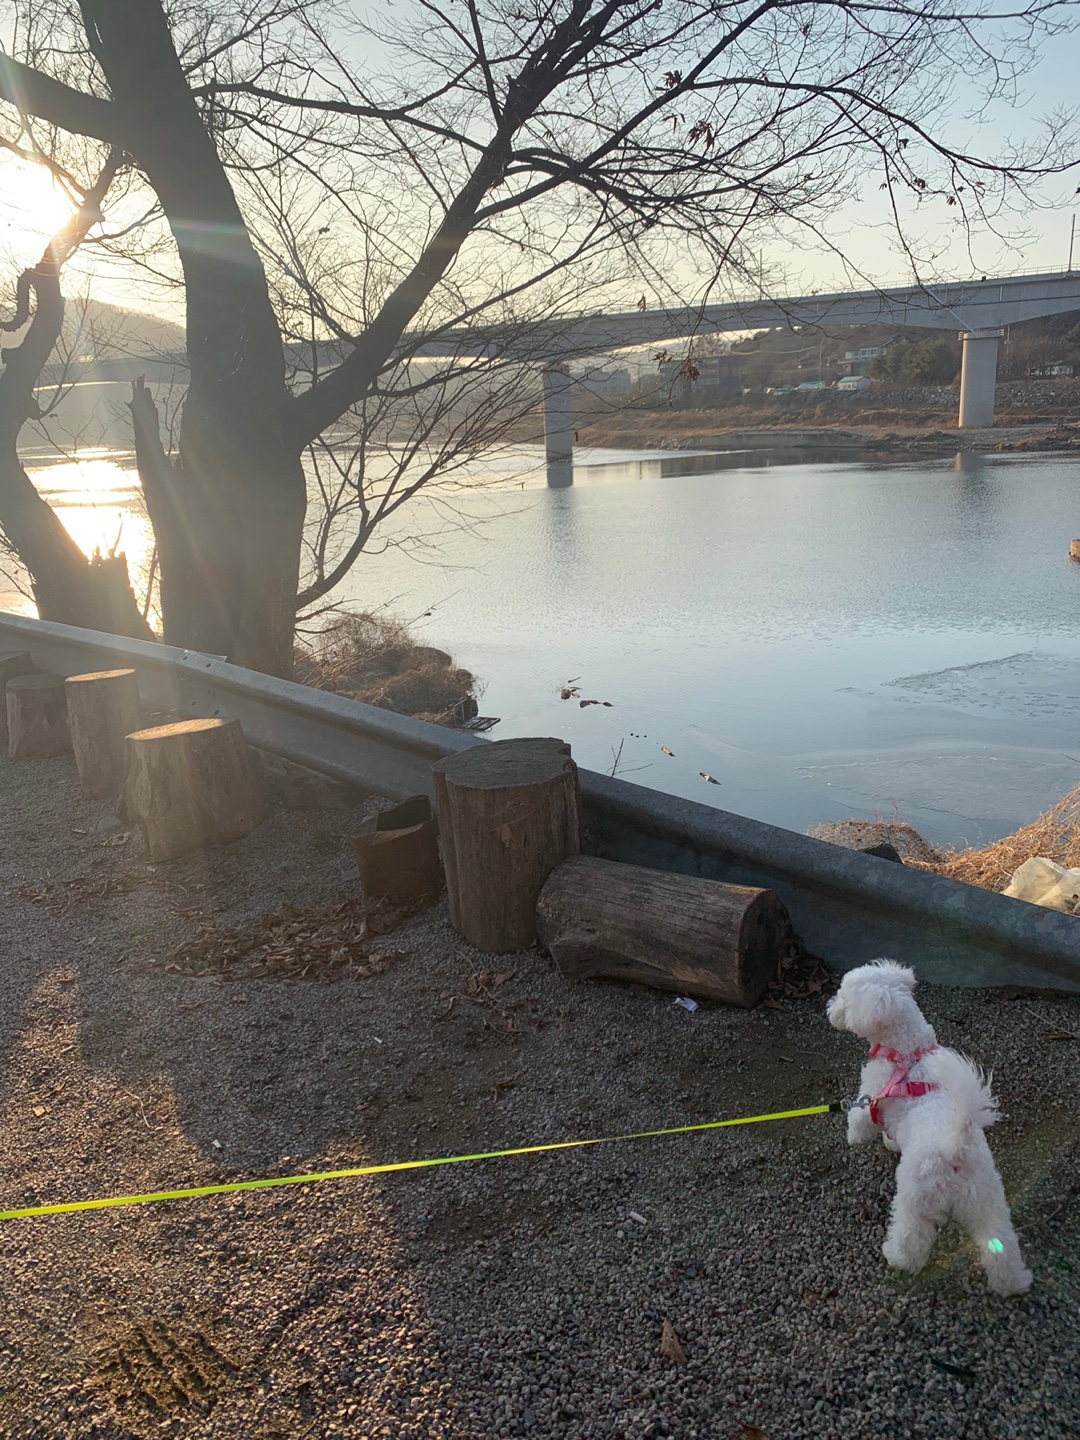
(65, 583)
(368, 187)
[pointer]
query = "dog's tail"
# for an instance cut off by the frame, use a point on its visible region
(969, 1100)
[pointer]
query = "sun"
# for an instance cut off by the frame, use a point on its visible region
(32, 203)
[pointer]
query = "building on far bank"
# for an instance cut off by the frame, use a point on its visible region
(1054, 369)
(704, 378)
(858, 362)
(849, 383)
(605, 384)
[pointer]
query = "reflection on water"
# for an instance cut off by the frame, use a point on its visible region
(751, 616)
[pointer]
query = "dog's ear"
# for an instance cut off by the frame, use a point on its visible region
(898, 974)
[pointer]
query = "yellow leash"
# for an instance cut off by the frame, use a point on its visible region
(236, 1186)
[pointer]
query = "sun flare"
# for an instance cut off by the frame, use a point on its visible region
(33, 201)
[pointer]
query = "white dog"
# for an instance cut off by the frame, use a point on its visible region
(932, 1105)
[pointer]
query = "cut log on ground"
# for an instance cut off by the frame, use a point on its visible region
(36, 717)
(190, 785)
(508, 812)
(12, 663)
(397, 853)
(103, 710)
(598, 918)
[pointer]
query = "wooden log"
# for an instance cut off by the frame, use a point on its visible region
(397, 852)
(12, 663)
(507, 812)
(103, 710)
(673, 932)
(36, 717)
(190, 785)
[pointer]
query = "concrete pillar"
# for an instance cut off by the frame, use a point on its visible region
(978, 378)
(558, 427)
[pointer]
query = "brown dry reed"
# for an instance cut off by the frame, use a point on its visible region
(374, 659)
(1054, 834)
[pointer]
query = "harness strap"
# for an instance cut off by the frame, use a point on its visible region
(898, 1086)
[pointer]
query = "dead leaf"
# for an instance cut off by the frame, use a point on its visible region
(41, 1109)
(665, 751)
(709, 778)
(670, 1348)
(752, 1432)
(584, 703)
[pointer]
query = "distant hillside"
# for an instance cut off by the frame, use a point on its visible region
(107, 331)
(789, 357)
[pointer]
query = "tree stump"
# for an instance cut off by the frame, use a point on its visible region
(508, 812)
(12, 663)
(397, 852)
(190, 785)
(673, 932)
(36, 717)
(103, 709)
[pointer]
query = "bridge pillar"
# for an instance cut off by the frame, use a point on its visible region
(558, 427)
(978, 378)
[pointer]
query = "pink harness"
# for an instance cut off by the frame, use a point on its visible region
(898, 1086)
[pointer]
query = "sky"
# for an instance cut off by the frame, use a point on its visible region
(30, 208)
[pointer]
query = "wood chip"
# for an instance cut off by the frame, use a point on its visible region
(670, 1348)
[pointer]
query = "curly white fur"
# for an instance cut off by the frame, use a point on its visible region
(946, 1167)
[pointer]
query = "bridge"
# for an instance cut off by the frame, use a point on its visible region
(978, 310)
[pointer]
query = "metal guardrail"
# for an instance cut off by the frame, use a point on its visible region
(847, 907)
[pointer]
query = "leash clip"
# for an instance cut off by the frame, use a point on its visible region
(860, 1104)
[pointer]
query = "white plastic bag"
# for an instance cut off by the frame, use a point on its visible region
(1043, 882)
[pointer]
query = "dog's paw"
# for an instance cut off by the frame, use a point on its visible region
(1012, 1284)
(902, 1256)
(1006, 1274)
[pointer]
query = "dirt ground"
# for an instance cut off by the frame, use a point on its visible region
(519, 1297)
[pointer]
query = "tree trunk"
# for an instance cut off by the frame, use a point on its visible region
(36, 717)
(67, 586)
(103, 710)
(397, 853)
(12, 663)
(229, 522)
(507, 812)
(190, 785)
(674, 932)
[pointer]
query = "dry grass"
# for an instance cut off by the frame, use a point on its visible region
(373, 658)
(1055, 834)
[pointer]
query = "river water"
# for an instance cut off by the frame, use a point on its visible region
(824, 639)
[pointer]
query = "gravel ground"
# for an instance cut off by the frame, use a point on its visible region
(519, 1297)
